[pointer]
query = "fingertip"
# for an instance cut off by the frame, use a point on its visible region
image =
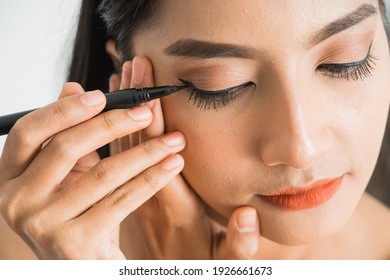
(127, 65)
(114, 82)
(247, 220)
(139, 72)
(143, 72)
(243, 233)
(175, 162)
(71, 88)
(93, 98)
(125, 81)
(151, 104)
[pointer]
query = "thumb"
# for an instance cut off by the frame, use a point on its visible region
(69, 89)
(242, 236)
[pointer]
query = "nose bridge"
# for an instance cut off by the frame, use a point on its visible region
(297, 133)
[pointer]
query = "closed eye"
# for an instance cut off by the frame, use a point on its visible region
(206, 99)
(352, 70)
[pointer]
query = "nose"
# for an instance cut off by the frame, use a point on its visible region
(296, 132)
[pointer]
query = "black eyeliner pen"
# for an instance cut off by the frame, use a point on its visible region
(121, 99)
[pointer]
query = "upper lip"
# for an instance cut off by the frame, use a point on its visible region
(298, 190)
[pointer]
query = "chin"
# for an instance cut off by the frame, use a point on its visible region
(293, 237)
(302, 227)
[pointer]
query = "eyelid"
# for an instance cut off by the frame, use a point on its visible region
(215, 75)
(216, 92)
(352, 63)
(205, 100)
(356, 70)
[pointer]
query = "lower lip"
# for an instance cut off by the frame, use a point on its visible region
(305, 199)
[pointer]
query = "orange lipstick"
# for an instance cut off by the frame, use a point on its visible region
(299, 198)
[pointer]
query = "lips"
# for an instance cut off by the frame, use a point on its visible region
(299, 198)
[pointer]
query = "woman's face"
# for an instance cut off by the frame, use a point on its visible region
(316, 108)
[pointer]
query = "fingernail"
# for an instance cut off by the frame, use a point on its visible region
(174, 139)
(92, 98)
(247, 222)
(138, 71)
(172, 163)
(150, 104)
(141, 113)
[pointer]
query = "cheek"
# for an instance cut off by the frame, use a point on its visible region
(367, 124)
(215, 143)
(366, 136)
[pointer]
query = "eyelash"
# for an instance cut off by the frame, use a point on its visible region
(206, 100)
(353, 70)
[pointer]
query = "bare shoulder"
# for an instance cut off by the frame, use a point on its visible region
(375, 226)
(12, 246)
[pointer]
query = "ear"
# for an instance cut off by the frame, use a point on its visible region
(113, 53)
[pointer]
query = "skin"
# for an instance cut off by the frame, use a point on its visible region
(295, 127)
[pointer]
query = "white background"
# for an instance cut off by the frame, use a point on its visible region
(35, 48)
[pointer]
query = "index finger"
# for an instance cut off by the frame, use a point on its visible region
(29, 133)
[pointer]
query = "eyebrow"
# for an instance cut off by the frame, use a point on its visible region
(204, 49)
(360, 14)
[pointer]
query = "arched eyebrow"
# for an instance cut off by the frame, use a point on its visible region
(360, 14)
(191, 48)
(205, 49)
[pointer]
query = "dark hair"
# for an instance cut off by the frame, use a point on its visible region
(120, 20)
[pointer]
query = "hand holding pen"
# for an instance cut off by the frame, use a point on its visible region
(121, 99)
(67, 203)
(47, 194)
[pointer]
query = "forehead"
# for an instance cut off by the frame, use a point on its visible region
(249, 21)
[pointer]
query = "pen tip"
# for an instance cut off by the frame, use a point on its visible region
(178, 88)
(182, 87)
